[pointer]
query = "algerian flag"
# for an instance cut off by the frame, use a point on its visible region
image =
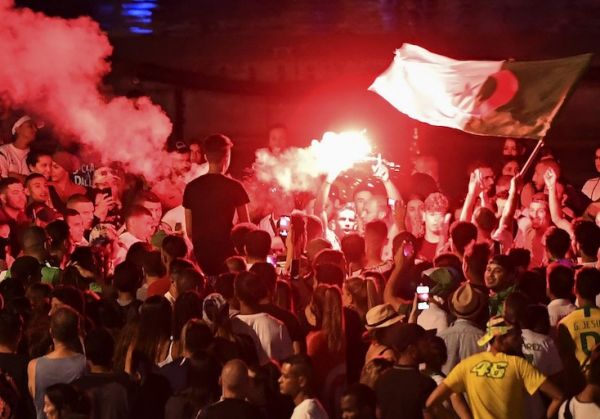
(500, 98)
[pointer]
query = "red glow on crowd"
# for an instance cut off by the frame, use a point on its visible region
(55, 67)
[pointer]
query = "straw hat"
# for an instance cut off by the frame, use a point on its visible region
(467, 302)
(381, 316)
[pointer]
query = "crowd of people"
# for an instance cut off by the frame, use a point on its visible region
(178, 299)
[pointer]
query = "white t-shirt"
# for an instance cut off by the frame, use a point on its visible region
(272, 333)
(433, 318)
(309, 409)
(579, 410)
(540, 350)
(128, 239)
(13, 159)
(559, 308)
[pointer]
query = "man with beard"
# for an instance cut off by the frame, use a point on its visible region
(480, 192)
(495, 381)
(13, 200)
(499, 278)
(531, 237)
(537, 185)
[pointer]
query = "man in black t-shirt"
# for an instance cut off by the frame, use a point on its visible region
(210, 203)
(235, 384)
(403, 388)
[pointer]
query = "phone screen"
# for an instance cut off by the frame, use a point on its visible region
(408, 249)
(423, 297)
(284, 225)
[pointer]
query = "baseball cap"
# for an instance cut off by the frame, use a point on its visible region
(21, 121)
(444, 280)
(496, 326)
(181, 147)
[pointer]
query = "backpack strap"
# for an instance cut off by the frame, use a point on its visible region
(568, 414)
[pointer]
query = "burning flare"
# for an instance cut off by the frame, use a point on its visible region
(298, 169)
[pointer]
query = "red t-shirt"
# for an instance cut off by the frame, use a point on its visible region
(158, 287)
(427, 251)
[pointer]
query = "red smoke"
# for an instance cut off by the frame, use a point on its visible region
(52, 67)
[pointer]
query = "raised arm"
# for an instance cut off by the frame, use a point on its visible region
(475, 188)
(321, 200)
(382, 172)
(400, 260)
(554, 204)
(508, 213)
(400, 216)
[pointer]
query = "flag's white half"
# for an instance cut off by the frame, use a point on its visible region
(432, 88)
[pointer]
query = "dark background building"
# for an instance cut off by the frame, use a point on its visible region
(238, 66)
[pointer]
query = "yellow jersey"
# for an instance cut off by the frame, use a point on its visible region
(495, 384)
(583, 326)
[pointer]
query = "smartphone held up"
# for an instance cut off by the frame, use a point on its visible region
(423, 297)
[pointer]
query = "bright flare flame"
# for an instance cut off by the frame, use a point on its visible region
(299, 169)
(338, 152)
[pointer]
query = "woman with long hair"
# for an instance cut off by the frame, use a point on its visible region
(187, 306)
(153, 339)
(326, 343)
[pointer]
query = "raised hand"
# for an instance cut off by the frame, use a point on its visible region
(103, 204)
(380, 170)
(550, 178)
(476, 182)
(515, 183)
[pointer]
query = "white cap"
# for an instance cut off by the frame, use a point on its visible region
(20, 122)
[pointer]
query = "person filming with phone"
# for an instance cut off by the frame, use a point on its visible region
(431, 309)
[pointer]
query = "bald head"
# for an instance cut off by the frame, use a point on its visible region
(234, 379)
(65, 325)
